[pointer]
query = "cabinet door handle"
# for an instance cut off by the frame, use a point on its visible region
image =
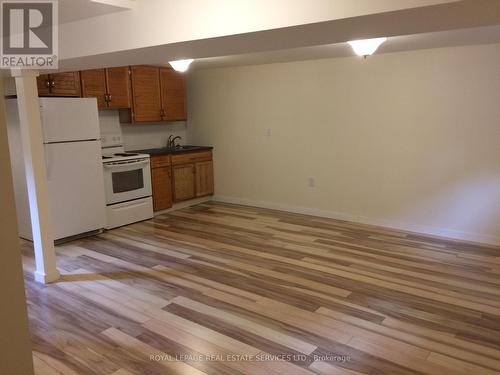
(52, 84)
(47, 83)
(109, 97)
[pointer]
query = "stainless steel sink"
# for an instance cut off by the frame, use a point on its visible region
(180, 148)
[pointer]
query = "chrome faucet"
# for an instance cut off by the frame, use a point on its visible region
(171, 141)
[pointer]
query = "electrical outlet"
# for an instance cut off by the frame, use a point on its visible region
(311, 182)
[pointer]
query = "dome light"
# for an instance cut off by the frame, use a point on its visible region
(366, 47)
(181, 65)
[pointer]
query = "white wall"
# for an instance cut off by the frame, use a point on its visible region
(141, 136)
(408, 140)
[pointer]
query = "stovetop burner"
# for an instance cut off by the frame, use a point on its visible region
(125, 154)
(112, 154)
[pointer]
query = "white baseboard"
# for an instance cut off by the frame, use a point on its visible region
(418, 229)
(184, 204)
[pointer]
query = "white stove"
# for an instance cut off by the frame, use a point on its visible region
(114, 154)
(127, 181)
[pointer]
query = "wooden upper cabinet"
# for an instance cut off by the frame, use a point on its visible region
(118, 87)
(65, 84)
(110, 86)
(59, 84)
(146, 103)
(173, 95)
(94, 85)
(204, 172)
(43, 84)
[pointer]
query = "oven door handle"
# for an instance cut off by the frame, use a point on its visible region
(119, 164)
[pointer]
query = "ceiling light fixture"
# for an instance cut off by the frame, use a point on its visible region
(366, 47)
(181, 65)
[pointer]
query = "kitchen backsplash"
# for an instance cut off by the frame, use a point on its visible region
(141, 136)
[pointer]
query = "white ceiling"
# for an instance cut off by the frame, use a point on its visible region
(75, 10)
(236, 32)
(461, 37)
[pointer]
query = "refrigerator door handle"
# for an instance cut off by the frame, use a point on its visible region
(44, 131)
(47, 163)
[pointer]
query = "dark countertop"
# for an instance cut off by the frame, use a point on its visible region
(167, 151)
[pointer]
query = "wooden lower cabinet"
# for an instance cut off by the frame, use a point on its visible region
(184, 182)
(204, 172)
(181, 177)
(161, 179)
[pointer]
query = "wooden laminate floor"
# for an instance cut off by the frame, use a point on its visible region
(223, 289)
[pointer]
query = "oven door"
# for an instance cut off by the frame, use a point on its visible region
(127, 180)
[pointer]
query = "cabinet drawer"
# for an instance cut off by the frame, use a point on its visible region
(160, 161)
(191, 157)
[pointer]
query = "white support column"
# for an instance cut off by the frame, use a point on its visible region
(15, 342)
(36, 175)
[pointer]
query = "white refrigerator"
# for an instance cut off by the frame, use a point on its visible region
(72, 146)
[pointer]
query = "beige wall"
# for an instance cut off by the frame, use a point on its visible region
(408, 140)
(15, 345)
